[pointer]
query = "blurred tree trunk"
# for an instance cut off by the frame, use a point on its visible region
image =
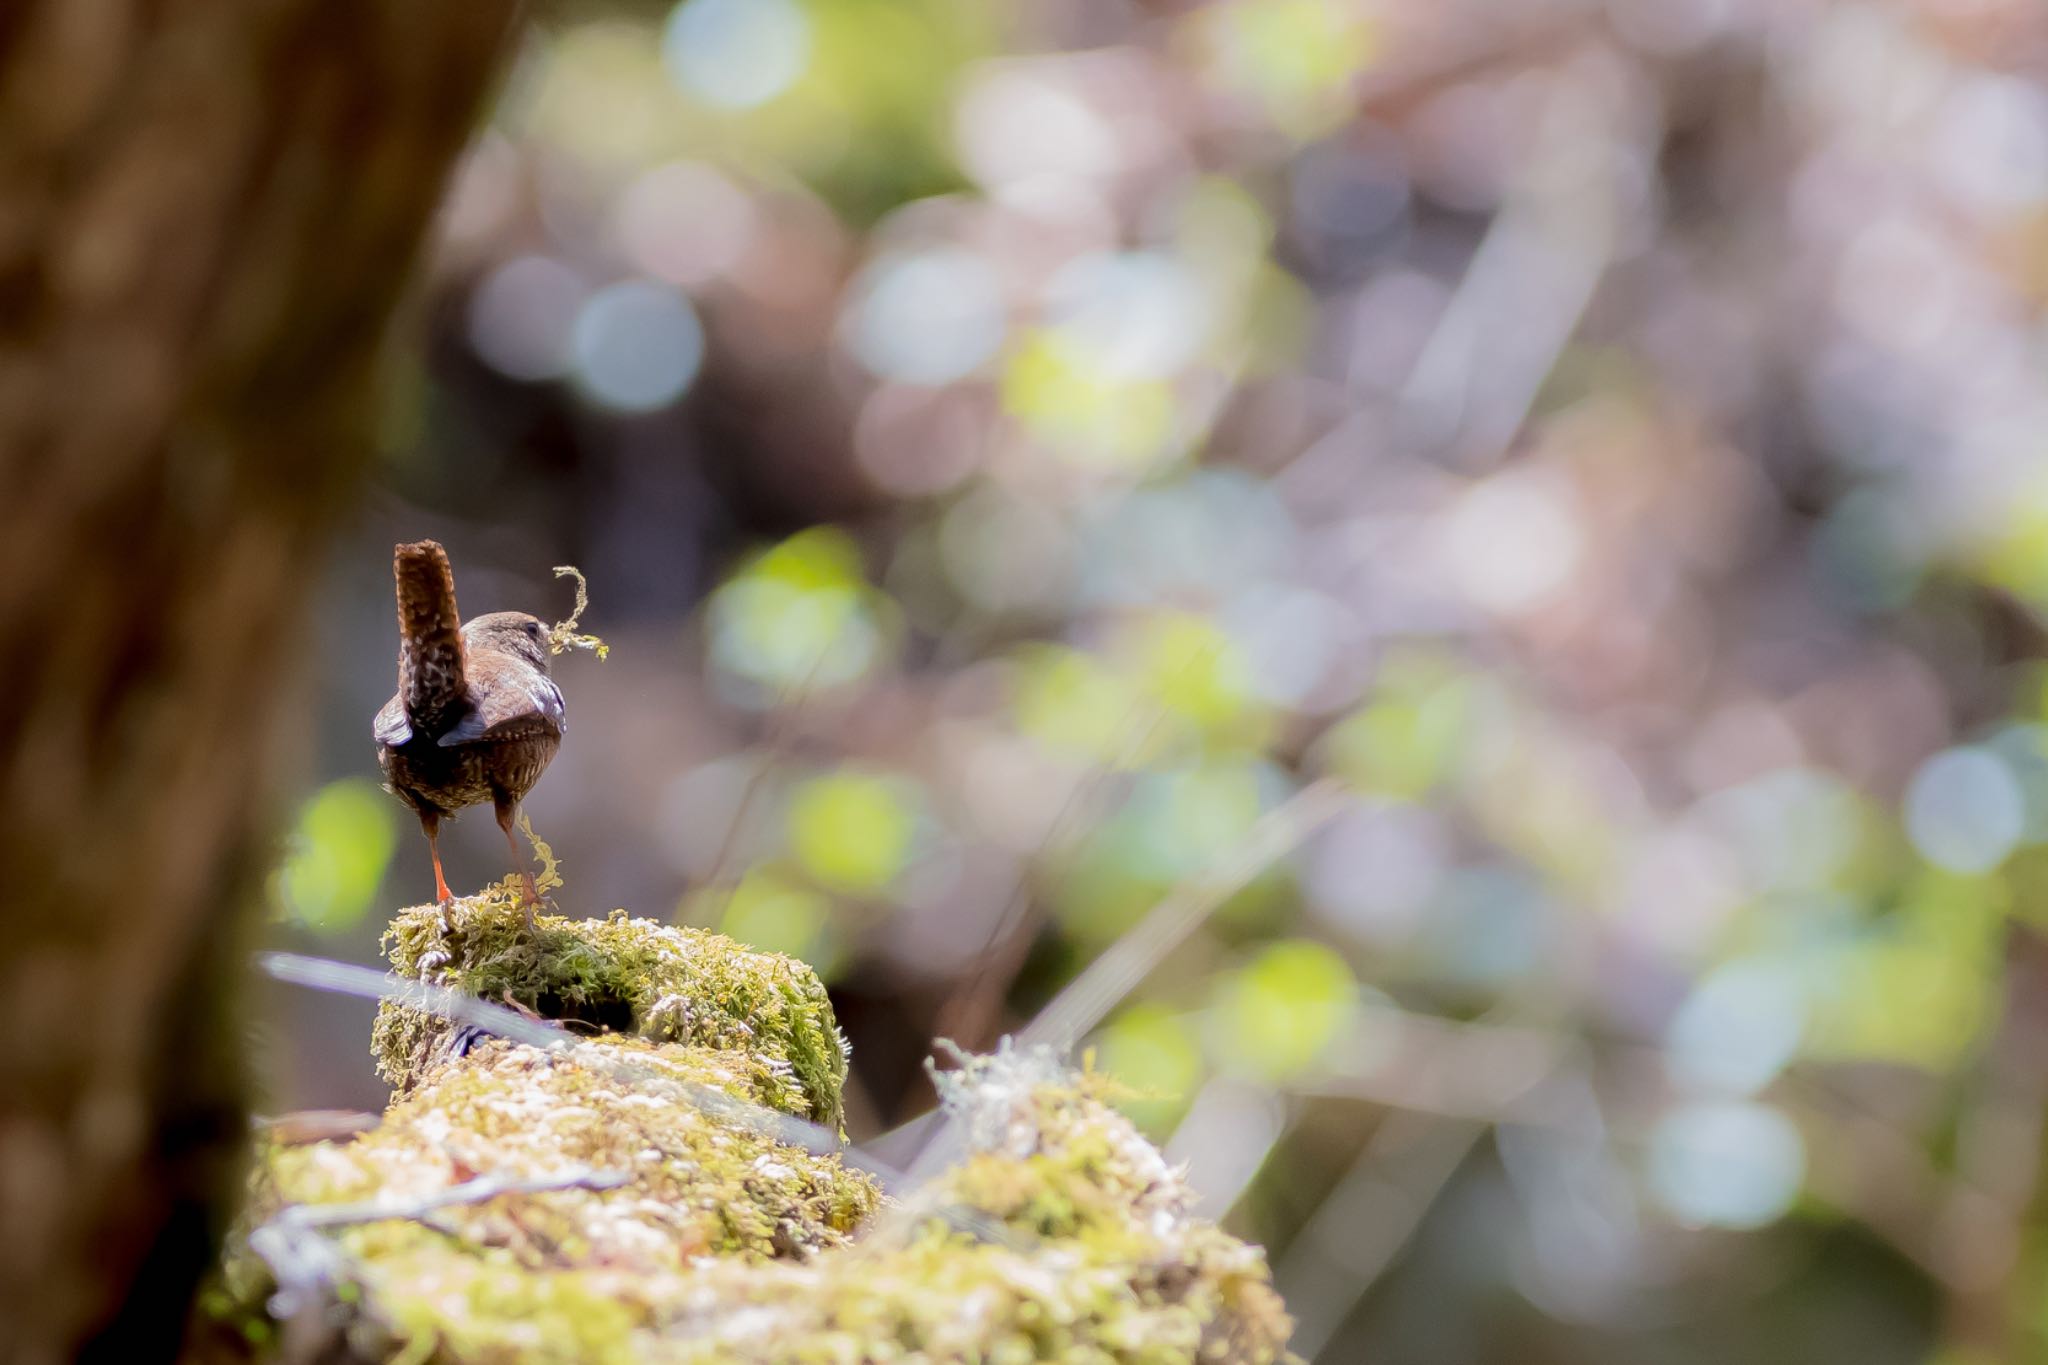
(207, 209)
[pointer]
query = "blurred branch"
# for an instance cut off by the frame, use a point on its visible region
(475, 1191)
(303, 1126)
(1465, 43)
(1875, 1173)
(781, 730)
(348, 979)
(970, 1014)
(1492, 1072)
(1885, 1180)
(1090, 997)
(1369, 1216)
(1542, 256)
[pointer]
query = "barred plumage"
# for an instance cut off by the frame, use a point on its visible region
(476, 717)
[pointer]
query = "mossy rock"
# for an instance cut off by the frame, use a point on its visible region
(561, 1275)
(663, 983)
(1063, 1235)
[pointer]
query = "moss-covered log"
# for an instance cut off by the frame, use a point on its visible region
(561, 1275)
(627, 1220)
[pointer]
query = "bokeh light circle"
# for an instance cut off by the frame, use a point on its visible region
(636, 346)
(736, 54)
(1964, 810)
(928, 317)
(521, 315)
(1726, 1164)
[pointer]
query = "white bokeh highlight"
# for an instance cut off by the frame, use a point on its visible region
(736, 54)
(636, 346)
(927, 317)
(1965, 811)
(1728, 1164)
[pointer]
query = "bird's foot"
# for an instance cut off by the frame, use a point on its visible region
(531, 900)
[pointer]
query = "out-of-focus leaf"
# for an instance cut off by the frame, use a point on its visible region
(801, 615)
(1273, 1018)
(1407, 741)
(1116, 424)
(1296, 57)
(340, 848)
(772, 911)
(1154, 1051)
(1727, 1164)
(851, 831)
(1071, 702)
(1195, 670)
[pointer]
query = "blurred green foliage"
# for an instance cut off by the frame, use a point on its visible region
(801, 615)
(339, 849)
(1275, 1017)
(852, 832)
(1602, 441)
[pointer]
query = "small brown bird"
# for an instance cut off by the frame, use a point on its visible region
(476, 717)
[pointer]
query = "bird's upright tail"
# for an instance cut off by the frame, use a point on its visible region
(429, 635)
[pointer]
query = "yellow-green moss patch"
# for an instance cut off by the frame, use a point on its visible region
(695, 1185)
(632, 976)
(725, 1246)
(1088, 1254)
(575, 1274)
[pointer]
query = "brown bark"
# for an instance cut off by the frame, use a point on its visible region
(206, 211)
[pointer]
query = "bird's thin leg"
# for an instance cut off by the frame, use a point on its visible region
(507, 813)
(432, 824)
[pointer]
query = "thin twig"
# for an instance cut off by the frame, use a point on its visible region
(1373, 1213)
(967, 1012)
(779, 732)
(349, 979)
(477, 1191)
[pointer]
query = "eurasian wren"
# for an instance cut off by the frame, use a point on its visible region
(476, 717)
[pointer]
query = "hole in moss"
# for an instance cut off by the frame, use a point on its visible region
(605, 1013)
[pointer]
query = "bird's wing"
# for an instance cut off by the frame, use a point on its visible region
(391, 729)
(512, 703)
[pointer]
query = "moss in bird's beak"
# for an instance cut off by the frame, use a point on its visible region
(562, 636)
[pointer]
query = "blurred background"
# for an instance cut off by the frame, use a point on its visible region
(1015, 446)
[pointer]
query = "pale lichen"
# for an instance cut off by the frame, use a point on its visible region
(1085, 1251)
(567, 1274)
(704, 1183)
(1063, 1235)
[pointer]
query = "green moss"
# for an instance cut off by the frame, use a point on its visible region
(1092, 1256)
(562, 1275)
(634, 976)
(1059, 1234)
(725, 1246)
(511, 1110)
